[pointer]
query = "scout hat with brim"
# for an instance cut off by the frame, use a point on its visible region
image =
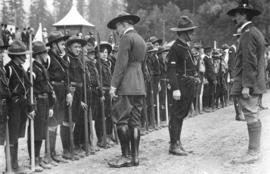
(244, 7)
(154, 39)
(104, 45)
(216, 54)
(17, 48)
(184, 24)
(56, 36)
(123, 17)
(39, 48)
(2, 45)
(162, 50)
(76, 39)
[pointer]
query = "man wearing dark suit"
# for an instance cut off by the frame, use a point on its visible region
(128, 83)
(249, 80)
(183, 76)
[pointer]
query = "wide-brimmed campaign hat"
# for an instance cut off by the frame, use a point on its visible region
(76, 39)
(56, 36)
(124, 16)
(39, 48)
(154, 39)
(184, 24)
(244, 7)
(17, 48)
(216, 54)
(105, 45)
(2, 45)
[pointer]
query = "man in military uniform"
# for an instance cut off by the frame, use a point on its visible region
(75, 77)
(128, 83)
(4, 97)
(181, 73)
(249, 81)
(19, 107)
(45, 98)
(57, 69)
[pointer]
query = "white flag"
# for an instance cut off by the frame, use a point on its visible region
(38, 36)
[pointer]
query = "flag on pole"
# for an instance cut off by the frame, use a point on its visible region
(38, 36)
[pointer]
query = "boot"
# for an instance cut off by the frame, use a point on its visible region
(38, 168)
(68, 156)
(14, 159)
(54, 156)
(124, 160)
(253, 154)
(135, 142)
(175, 131)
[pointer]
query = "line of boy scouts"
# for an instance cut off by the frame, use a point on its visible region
(133, 74)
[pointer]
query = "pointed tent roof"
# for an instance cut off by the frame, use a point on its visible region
(73, 18)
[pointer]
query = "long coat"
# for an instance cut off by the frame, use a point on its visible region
(250, 62)
(128, 76)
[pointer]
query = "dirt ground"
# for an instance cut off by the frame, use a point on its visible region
(214, 138)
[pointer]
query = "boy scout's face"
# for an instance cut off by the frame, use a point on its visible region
(76, 49)
(104, 54)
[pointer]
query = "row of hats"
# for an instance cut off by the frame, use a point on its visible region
(19, 48)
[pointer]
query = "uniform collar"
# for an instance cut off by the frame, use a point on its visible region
(128, 29)
(242, 28)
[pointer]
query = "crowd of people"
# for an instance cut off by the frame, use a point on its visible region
(73, 82)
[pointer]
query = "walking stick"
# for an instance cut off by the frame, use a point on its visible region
(86, 133)
(114, 124)
(32, 103)
(158, 110)
(8, 158)
(104, 138)
(166, 103)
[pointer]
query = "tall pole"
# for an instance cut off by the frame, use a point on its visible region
(164, 30)
(32, 103)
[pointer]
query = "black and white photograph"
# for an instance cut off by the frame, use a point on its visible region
(135, 86)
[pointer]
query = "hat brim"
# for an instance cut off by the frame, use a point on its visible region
(42, 51)
(80, 41)
(152, 50)
(4, 47)
(252, 12)
(19, 53)
(57, 40)
(106, 45)
(183, 29)
(112, 23)
(157, 41)
(162, 51)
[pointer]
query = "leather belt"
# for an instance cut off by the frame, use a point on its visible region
(76, 84)
(106, 88)
(57, 83)
(45, 95)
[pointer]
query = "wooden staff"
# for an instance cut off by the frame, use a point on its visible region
(32, 103)
(86, 133)
(8, 158)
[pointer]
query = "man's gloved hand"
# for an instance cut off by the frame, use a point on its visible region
(31, 115)
(176, 94)
(245, 93)
(84, 106)
(69, 99)
(112, 92)
(50, 113)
